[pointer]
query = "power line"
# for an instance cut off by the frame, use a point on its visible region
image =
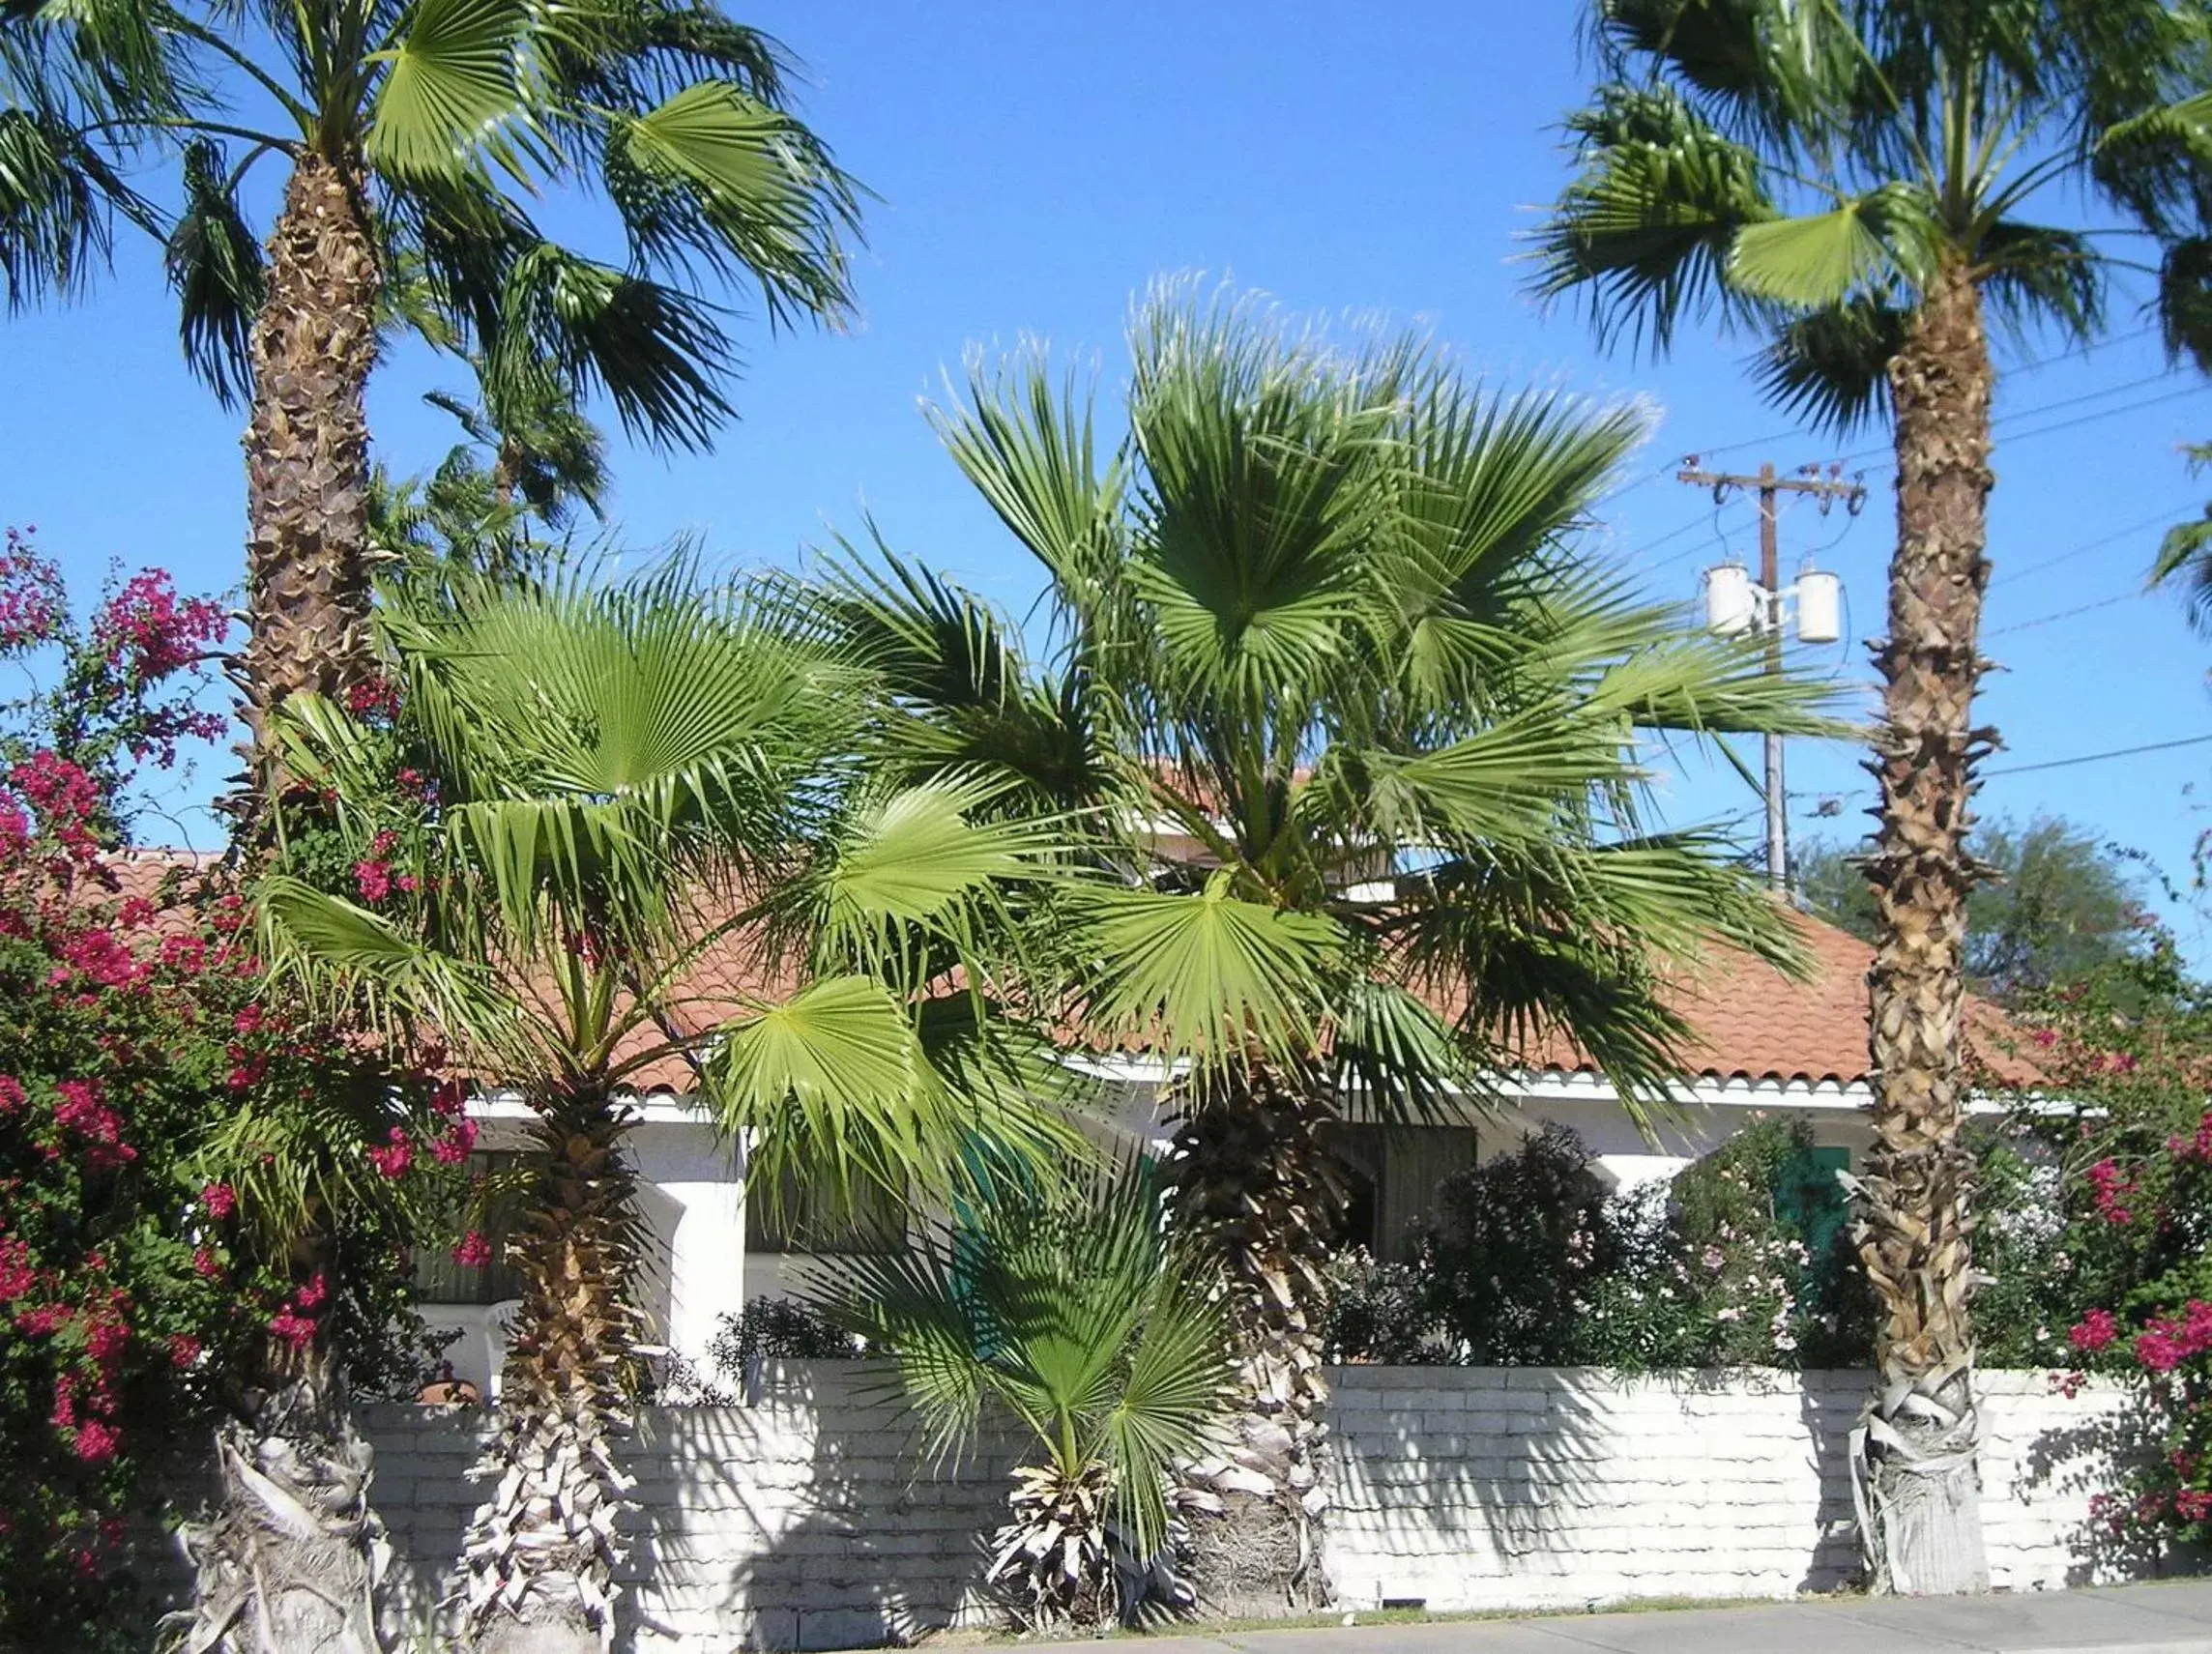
(2018, 370)
(2064, 614)
(2102, 540)
(1999, 427)
(1999, 430)
(2098, 756)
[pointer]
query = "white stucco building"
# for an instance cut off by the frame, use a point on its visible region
(1762, 1043)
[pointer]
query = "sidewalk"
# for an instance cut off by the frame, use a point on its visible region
(2165, 1619)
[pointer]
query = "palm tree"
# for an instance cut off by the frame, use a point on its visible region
(1354, 717)
(610, 784)
(1069, 1309)
(413, 131)
(1858, 185)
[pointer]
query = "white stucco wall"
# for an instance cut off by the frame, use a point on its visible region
(804, 1519)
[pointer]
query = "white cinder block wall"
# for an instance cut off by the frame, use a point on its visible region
(804, 1521)
(1513, 1488)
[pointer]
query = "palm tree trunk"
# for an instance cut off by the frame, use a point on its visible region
(537, 1567)
(1921, 1504)
(295, 1556)
(1252, 1175)
(306, 447)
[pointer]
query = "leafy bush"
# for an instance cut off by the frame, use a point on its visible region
(165, 1110)
(2097, 1225)
(1529, 1261)
(1509, 1258)
(775, 1329)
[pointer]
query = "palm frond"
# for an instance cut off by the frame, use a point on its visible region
(1205, 976)
(1830, 366)
(449, 99)
(1642, 235)
(214, 262)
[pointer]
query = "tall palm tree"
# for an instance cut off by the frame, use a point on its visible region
(1073, 1313)
(1354, 714)
(614, 783)
(1860, 184)
(413, 132)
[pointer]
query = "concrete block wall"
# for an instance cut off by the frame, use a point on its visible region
(806, 1520)
(803, 1520)
(1522, 1488)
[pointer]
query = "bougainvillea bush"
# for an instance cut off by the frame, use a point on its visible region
(121, 693)
(157, 1105)
(2097, 1225)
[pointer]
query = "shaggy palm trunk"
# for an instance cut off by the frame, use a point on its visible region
(295, 1556)
(1252, 1175)
(1921, 1509)
(539, 1559)
(307, 447)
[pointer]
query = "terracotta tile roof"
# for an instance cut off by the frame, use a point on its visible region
(1749, 1022)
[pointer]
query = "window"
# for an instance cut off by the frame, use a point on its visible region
(808, 1217)
(1390, 1174)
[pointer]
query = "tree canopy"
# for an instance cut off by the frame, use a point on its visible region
(2058, 905)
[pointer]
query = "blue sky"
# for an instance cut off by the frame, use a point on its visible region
(1039, 164)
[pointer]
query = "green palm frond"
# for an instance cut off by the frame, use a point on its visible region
(1206, 976)
(351, 961)
(838, 1082)
(2185, 551)
(1395, 1057)
(1821, 259)
(2185, 299)
(58, 199)
(1644, 233)
(215, 264)
(717, 174)
(450, 97)
(963, 695)
(1830, 366)
(1070, 1308)
(1028, 444)
(657, 352)
(915, 879)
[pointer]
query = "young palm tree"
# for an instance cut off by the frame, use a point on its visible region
(1859, 185)
(1354, 717)
(413, 132)
(614, 783)
(1070, 1308)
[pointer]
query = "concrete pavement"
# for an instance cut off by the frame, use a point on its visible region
(2173, 1617)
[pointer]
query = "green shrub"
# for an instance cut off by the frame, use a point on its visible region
(1529, 1259)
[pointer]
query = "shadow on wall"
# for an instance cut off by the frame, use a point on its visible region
(802, 1521)
(1828, 1406)
(2074, 1463)
(1559, 1488)
(1452, 1471)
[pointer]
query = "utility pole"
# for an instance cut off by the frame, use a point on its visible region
(1771, 486)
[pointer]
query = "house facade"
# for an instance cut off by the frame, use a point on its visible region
(1763, 1045)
